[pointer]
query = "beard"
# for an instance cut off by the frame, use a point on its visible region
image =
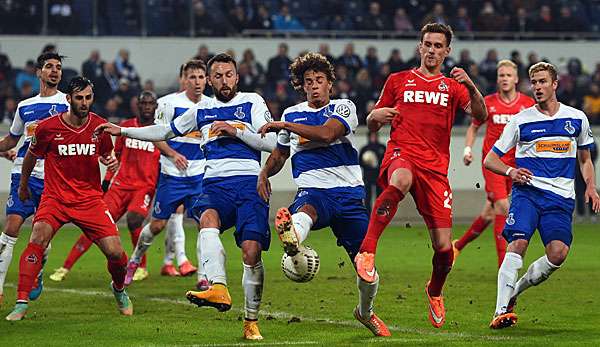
(225, 98)
(51, 84)
(80, 113)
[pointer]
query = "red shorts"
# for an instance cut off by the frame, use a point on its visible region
(497, 187)
(91, 216)
(430, 191)
(121, 200)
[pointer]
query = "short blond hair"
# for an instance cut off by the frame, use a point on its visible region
(543, 66)
(506, 62)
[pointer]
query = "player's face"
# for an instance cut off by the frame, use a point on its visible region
(317, 87)
(195, 81)
(223, 79)
(147, 105)
(543, 86)
(507, 79)
(433, 49)
(81, 102)
(51, 72)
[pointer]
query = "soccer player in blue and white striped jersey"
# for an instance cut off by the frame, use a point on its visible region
(549, 137)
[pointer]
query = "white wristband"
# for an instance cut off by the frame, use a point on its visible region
(507, 173)
(124, 131)
(467, 151)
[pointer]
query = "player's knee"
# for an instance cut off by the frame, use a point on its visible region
(251, 252)
(402, 179)
(557, 254)
(518, 246)
(134, 220)
(157, 225)
(13, 225)
(210, 219)
(41, 234)
(501, 207)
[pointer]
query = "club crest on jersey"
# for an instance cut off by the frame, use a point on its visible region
(53, 111)
(94, 137)
(239, 113)
(569, 127)
(443, 87)
(343, 110)
(410, 83)
(510, 219)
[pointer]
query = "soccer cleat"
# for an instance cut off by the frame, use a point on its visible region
(187, 269)
(216, 296)
(505, 320)
(38, 286)
(202, 285)
(19, 312)
(365, 266)
(251, 331)
(437, 312)
(169, 270)
(59, 274)
(286, 232)
(123, 302)
(510, 308)
(374, 323)
(131, 268)
(456, 251)
(140, 274)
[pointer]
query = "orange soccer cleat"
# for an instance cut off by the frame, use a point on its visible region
(251, 331)
(285, 231)
(169, 270)
(187, 269)
(437, 311)
(365, 266)
(505, 320)
(373, 323)
(216, 296)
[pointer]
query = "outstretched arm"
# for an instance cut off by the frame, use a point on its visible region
(332, 130)
(273, 165)
(157, 132)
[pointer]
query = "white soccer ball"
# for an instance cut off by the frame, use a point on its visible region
(301, 267)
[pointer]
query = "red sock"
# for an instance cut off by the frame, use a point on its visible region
(135, 236)
(30, 265)
(384, 209)
(118, 269)
(79, 248)
(500, 241)
(442, 263)
(478, 226)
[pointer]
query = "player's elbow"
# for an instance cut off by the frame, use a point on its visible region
(488, 161)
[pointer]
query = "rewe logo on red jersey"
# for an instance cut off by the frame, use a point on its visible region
(138, 144)
(77, 149)
(501, 118)
(424, 97)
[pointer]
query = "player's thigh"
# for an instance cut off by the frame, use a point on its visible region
(556, 224)
(93, 218)
(350, 225)
(170, 193)
(139, 202)
(312, 199)
(433, 197)
(14, 205)
(400, 174)
(117, 200)
(217, 196)
(252, 220)
(195, 192)
(51, 212)
(522, 220)
(496, 186)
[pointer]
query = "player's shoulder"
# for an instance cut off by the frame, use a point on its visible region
(128, 123)
(525, 99)
(29, 101)
(343, 107)
(50, 122)
(249, 97)
(96, 119)
(571, 112)
(166, 98)
(301, 107)
(400, 75)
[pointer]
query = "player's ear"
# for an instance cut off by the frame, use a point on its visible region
(69, 98)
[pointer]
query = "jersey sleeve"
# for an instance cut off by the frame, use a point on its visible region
(283, 137)
(163, 113)
(40, 142)
(185, 123)
(260, 113)
(585, 139)
(508, 139)
(345, 112)
(387, 96)
(17, 127)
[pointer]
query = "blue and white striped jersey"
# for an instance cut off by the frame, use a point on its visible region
(171, 107)
(227, 156)
(547, 146)
(29, 113)
(317, 164)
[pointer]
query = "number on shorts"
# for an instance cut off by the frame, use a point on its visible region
(448, 199)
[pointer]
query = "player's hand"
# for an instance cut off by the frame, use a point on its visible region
(467, 156)
(271, 127)
(520, 175)
(111, 162)
(24, 192)
(591, 196)
(384, 115)
(221, 128)
(461, 76)
(11, 154)
(263, 186)
(180, 161)
(110, 128)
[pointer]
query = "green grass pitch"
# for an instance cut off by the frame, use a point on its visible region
(81, 310)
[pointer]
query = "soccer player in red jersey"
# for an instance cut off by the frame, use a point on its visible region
(72, 192)
(132, 188)
(501, 106)
(420, 104)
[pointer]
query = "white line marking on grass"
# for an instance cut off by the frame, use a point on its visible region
(287, 315)
(283, 343)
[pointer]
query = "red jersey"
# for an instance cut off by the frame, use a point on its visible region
(427, 107)
(499, 113)
(138, 161)
(72, 171)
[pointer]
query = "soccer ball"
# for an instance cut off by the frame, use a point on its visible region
(303, 266)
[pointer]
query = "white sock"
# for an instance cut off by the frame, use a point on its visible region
(213, 255)
(366, 295)
(169, 244)
(538, 272)
(176, 222)
(252, 281)
(302, 224)
(144, 242)
(201, 272)
(7, 244)
(507, 276)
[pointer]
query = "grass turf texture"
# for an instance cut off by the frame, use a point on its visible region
(82, 311)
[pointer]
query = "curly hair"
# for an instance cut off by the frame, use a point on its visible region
(310, 61)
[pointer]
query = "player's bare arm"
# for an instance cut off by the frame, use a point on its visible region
(28, 165)
(8, 142)
(469, 141)
(380, 117)
(589, 177)
(272, 166)
(518, 175)
(9, 155)
(332, 130)
(153, 133)
(478, 109)
(177, 158)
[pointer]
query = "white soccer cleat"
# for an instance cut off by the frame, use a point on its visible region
(59, 274)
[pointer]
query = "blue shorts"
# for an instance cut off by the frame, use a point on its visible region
(342, 209)
(174, 191)
(238, 204)
(26, 208)
(532, 209)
